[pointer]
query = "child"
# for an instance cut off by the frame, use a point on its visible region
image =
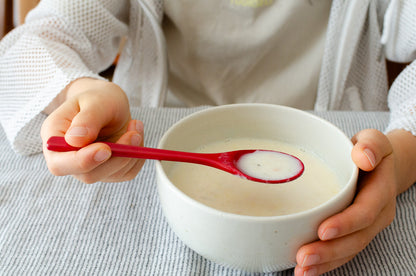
(322, 55)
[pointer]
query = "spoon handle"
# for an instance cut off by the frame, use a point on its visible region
(56, 143)
(225, 161)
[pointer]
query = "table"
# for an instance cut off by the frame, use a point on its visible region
(59, 226)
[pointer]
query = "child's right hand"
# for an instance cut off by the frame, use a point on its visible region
(92, 110)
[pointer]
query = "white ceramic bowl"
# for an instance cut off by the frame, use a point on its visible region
(255, 244)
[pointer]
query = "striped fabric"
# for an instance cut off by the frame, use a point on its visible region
(58, 226)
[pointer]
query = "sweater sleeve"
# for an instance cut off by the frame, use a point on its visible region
(402, 101)
(60, 41)
(399, 39)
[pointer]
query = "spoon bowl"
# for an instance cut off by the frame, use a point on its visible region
(240, 162)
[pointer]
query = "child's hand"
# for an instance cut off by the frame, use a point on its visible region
(93, 110)
(383, 175)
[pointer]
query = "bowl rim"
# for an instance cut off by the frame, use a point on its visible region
(351, 183)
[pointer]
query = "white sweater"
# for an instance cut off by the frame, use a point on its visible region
(68, 39)
(250, 51)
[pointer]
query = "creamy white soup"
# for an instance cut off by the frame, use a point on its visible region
(232, 194)
(269, 165)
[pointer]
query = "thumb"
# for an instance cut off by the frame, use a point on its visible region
(370, 147)
(87, 124)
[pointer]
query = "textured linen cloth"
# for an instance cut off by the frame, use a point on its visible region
(58, 226)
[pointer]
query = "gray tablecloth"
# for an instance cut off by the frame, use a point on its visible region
(58, 226)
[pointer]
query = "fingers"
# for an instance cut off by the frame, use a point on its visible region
(93, 111)
(116, 168)
(92, 163)
(79, 125)
(64, 163)
(90, 120)
(78, 162)
(98, 113)
(321, 268)
(370, 147)
(322, 256)
(136, 125)
(375, 190)
(345, 234)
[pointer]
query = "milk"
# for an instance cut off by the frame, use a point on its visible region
(269, 165)
(232, 194)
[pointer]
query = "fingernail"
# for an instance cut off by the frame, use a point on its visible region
(101, 155)
(77, 131)
(311, 272)
(329, 234)
(139, 126)
(371, 157)
(135, 140)
(311, 260)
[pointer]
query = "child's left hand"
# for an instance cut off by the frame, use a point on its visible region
(384, 174)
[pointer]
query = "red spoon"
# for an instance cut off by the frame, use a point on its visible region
(226, 161)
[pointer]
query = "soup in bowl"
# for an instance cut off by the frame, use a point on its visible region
(248, 225)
